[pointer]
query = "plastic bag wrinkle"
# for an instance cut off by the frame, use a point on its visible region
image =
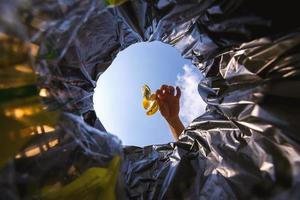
(246, 145)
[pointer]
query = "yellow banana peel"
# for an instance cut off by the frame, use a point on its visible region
(149, 101)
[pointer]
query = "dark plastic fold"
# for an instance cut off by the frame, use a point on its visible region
(246, 145)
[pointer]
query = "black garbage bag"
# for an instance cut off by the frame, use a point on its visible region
(246, 145)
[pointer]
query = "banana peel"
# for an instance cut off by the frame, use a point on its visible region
(149, 101)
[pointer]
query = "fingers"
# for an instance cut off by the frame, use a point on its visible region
(165, 90)
(159, 94)
(161, 104)
(171, 90)
(163, 87)
(178, 92)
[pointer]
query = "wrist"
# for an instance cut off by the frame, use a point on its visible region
(176, 126)
(173, 120)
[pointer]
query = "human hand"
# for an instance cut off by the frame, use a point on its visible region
(168, 102)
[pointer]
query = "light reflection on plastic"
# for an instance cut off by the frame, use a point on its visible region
(53, 143)
(226, 172)
(38, 149)
(34, 49)
(42, 129)
(32, 152)
(39, 129)
(23, 68)
(45, 148)
(30, 131)
(24, 133)
(44, 92)
(48, 129)
(19, 113)
(18, 156)
(266, 166)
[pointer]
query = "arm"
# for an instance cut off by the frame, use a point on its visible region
(169, 108)
(176, 127)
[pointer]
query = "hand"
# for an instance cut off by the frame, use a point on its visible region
(169, 108)
(168, 102)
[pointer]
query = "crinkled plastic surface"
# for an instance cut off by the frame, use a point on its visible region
(246, 146)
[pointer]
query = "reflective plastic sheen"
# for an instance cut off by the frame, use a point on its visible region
(246, 145)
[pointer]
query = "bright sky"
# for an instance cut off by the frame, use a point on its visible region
(118, 97)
